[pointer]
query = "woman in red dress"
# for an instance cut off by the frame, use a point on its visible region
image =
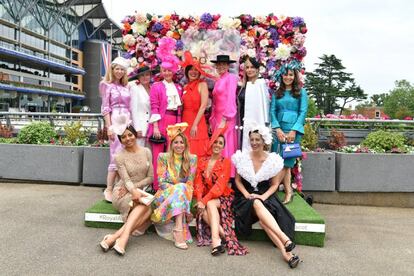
(195, 98)
(214, 200)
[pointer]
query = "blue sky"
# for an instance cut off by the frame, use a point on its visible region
(374, 39)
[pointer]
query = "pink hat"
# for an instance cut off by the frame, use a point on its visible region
(169, 61)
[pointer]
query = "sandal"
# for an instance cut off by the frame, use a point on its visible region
(290, 246)
(218, 250)
(105, 247)
(294, 261)
(180, 245)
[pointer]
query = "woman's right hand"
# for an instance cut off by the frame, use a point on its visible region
(135, 195)
(200, 207)
(280, 135)
(156, 133)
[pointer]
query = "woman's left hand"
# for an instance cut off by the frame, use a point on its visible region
(122, 191)
(291, 136)
(193, 131)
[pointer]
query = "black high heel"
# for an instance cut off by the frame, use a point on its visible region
(294, 261)
(218, 250)
(289, 247)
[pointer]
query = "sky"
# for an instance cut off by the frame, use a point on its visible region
(374, 39)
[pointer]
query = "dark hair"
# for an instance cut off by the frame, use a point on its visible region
(222, 136)
(133, 131)
(266, 147)
(295, 86)
(255, 64)
(187, 69)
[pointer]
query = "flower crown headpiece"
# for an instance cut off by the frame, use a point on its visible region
(263, 130)
(292, 65)
(174, 130)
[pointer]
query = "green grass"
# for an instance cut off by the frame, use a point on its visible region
(302, 212)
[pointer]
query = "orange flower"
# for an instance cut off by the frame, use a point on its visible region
(127, 26)
(176, 35)
(251, 32)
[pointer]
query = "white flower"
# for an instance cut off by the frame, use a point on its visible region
(134, 62)
(264, 42)
(225, 23)
(170, 34)
(282, 52)
(140, 28)
(251, 52)
(129, 40)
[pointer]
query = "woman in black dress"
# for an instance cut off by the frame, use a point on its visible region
(258, 175)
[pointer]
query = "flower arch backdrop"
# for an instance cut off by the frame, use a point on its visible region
(273, 40)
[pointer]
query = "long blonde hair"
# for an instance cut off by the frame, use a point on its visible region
(185, 166)
(110, 78)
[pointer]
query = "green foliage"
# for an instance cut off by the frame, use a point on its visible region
(403, 112)
(75, 135)
(378, 99)
(310, 138)
(312, 109)
(336, 140)
(329, 83)
(384, 141)
(8, 140)
(37, 133)
(400, 99)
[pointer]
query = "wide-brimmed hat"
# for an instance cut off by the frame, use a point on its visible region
(215, 135)
(121, 62)
(190, 61)
(223, 58)
(141, 70)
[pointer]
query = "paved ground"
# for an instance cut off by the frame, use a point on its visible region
(42, 233)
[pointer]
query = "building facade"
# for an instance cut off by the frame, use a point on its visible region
(42, 53)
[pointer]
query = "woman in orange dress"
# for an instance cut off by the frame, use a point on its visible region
(195, 98)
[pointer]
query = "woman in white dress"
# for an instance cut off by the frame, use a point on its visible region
(253, 100)
(140, 104)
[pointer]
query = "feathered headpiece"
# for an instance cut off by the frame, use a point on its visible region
(292, 65)
(263, 130)
(169, 61)
(190, 60)
(174, 130)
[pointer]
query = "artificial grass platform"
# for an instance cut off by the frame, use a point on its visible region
(309, 227)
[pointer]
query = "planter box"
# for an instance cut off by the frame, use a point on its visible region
(95, 166)
(367, 172)
(41, 162)
(319, 171)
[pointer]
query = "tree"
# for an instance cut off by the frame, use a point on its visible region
(400, 102)
(329, 83)
(378, 99)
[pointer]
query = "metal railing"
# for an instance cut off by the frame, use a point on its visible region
(90, 121)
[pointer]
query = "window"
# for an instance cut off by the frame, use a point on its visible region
(377, 114)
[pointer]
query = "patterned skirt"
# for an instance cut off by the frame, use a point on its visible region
(226, 221)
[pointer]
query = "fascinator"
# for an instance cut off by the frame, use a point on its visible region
(190, 60)
(119, 124)
(174, 130)
(169, 61)
(263, 130)
(292, 65)
(214, 137)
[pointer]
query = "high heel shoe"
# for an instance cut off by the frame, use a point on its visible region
(287, 201)
(108, 195)
(290, 246)
(120, 251)
(105, 247)
(218, 250)
(180, 245)
(294, 261)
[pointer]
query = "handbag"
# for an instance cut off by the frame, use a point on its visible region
(160, 140)
(291, 150)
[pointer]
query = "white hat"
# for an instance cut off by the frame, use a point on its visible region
(121, 62)
(120, 124)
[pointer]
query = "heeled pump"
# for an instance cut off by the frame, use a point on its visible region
(120, 251)
(104, 245)
(290, 246)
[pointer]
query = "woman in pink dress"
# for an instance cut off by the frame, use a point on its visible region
(224, 108)
(165, 101)
(116, 96)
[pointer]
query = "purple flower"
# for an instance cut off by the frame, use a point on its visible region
(157, 27)
(298, 21)
(179, 45)
(128, 55)
(207, 18)
(274, 34)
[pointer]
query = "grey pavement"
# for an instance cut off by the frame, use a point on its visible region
(42, 233)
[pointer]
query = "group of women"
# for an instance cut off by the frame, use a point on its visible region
(192, 168)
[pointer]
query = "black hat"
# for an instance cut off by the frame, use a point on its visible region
(138, 72)
(223, 58)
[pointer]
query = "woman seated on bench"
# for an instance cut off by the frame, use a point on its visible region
(214, 199)
(134, 164)
(258, 176)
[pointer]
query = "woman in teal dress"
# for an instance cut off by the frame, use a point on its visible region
(176, 170)
(288, 110)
